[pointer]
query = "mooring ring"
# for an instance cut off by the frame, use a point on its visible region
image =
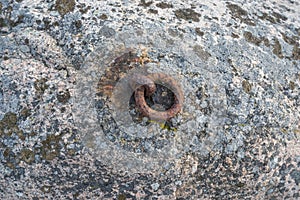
(142, 84)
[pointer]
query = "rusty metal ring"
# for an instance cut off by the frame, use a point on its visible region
(142, 84)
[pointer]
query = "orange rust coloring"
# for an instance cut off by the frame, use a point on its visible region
(145, 86)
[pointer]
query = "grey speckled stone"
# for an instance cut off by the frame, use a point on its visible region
(237, 136)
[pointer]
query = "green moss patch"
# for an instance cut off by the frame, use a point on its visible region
(201, 53)
(246, 86)
(40, 86)
(239, 13)
(187, 14)
(249, 37)
(64, 6)
(145, 4)
(10, 120)
(27, 156)
(199, 32)
(273, 18)
(277, 49)
(164, 5)
(296, 53)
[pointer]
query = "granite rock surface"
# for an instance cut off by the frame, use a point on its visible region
(68, 125)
